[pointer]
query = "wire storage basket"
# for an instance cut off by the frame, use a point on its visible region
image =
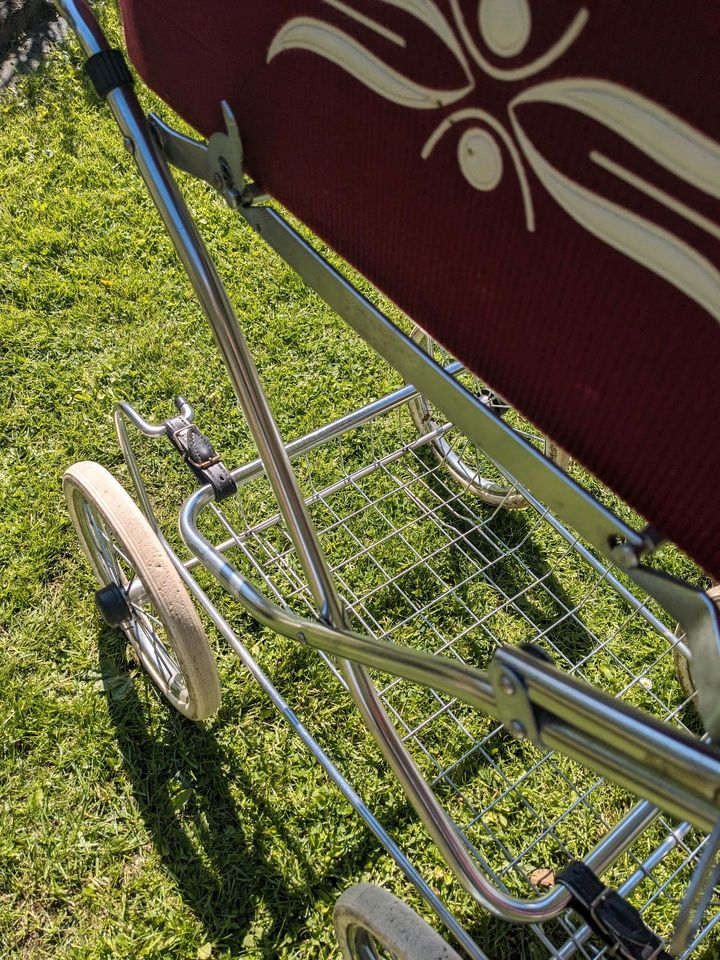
(420, 560)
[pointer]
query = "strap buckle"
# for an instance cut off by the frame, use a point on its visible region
(200, 456)
(617, 922)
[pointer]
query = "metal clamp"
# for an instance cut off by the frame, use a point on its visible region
(698, 616)
(219, 161)
(514, 708)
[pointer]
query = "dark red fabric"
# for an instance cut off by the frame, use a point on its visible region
(620, 365)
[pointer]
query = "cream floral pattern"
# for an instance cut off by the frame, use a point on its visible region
(487, 145)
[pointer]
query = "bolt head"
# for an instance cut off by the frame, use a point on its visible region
(507, 685)
(624, 555)
(518, 730)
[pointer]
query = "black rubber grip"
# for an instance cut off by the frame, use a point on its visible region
(107, 71)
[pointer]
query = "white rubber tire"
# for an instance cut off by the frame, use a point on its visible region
(489, 491)
(91, 483)
(367, 909)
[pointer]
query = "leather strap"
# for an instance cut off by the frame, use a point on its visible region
(613, 919)
(200, 455)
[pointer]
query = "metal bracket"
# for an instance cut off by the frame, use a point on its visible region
(514, 709)
(219, 161)
(197, 451)
(696, 613)
(698, 616)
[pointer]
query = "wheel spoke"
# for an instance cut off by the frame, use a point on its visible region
(161, 660)
(103, 542)
(126, 554)
(146, 615)
(167, 669)
(116, 549)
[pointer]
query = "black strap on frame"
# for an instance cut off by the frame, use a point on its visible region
(200, 455)
(612, 918)
(107, 71)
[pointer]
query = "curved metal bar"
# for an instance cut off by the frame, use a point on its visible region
(124, 412)
(473, 686)
(325, 762)
(144, 426)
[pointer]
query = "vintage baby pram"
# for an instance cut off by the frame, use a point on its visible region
(537, 189)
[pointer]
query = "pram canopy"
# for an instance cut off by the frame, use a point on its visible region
(537, 186)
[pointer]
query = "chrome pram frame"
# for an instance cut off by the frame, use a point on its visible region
(532, 699)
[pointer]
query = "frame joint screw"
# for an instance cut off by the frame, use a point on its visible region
(507, 684)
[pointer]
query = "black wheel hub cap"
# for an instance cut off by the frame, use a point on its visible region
(113, 606)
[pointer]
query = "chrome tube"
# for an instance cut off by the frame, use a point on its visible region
(84, 25)
(251, 397)
(237, 358)
(214, 300)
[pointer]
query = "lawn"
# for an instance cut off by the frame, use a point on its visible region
(125, 830)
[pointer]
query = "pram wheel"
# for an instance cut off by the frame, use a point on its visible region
(370, 923)
(683, 669)
(162, 626)
(467, 465)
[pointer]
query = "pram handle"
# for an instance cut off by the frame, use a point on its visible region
(82, 22)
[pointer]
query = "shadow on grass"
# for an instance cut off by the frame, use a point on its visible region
(225, 861)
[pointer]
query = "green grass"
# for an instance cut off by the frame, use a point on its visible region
(125, 831)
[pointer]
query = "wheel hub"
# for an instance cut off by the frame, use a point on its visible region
(112, 603)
